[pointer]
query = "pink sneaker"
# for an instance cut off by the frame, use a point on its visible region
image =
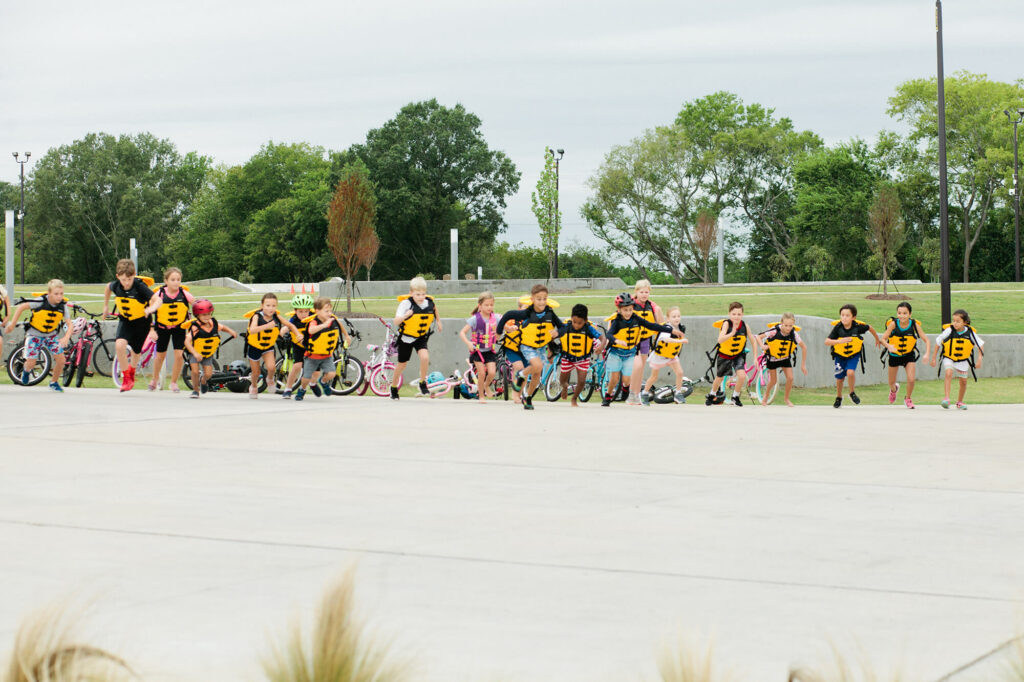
(961, 406)
(892, 394)
(151, 385)
(909, 403)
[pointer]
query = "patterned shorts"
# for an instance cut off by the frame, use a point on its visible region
(33, 343)
(569, 364)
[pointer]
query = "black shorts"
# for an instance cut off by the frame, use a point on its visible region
(297, 353)
(134, 332)
(255, 354)
(780, 364)
(902, 360)
(405, 349)
(726, 366)
(488, 355)
(175, 335)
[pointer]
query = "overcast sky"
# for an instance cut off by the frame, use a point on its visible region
(223, 77)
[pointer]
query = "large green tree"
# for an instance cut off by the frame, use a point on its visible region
(89, 197)
(544, 203)
(433, 171)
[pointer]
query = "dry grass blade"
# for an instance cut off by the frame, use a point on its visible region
(339, 650)
(1015, 667)
(842, 671)
(688, 664)
(44, 652)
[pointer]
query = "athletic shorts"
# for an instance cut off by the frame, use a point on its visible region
(568, 364)
(844, 365)
(655, 361)
(514, 356)
(405, 349)
(623, 364)
(726, 366)
(529, 353)
(780, 364)
(488, 355)
(644, 347)
(135, 333)
(164, 337)
(255, 354)
(33, 343)
(960, 369)
(901, 360)
(203, 362)
(311, 366)
(297, 353)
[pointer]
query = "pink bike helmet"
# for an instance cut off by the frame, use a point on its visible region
(202, 307)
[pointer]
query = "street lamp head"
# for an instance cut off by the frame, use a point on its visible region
(28, 154)
(561, 153)
(1020, 112)
(15, 155)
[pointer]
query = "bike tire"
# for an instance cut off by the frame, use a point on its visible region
(553, 385)
(588, 386)
(83, 364)
(380, 380)
(506, 385)
(281, 370)
(351, 373)
(70, 367)
(103, 355)
(16, 362)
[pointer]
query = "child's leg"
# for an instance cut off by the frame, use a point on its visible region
(534, 371)
(911, 378)
(893, 371)
(677, 367)
(399, 370)
(581, 379)
(158, 363)
(194, 371)
(717, 384)
(58, 366)
(293, 374)
(179, 362)
(424, 364)
(563, 379)
(741, 382)
(207, 373)
(963, 390)
(492, 370)
(121, 350)
(851, 379)
(613, 383)
(655, 371)
(254, 374)
(947, 380)
(517, 368)
(788, 371)
(839, 387)
(636, 379)
(481, 379)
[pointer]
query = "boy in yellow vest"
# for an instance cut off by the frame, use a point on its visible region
(732, 356)
(135, 303)
(578, 339)
(264, 327)
(665, 353)
(538, 325)
(414, 318)
(846, 342)
(323, 332)
(49, 314)
(624, 334)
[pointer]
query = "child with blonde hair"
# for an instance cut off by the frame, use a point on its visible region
(483, 324)
(780, 343)
(49, 314)
(414, 319)
(645, 309)
(665, 353)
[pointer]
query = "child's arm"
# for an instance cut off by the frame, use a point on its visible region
(106, 301)
(889, 329)
(927, 344)
(462, 335)
(12, 319)
(803, 356)
(190, 348)
(295, 330)
(154, 302)
(879, 341)
(229, 330)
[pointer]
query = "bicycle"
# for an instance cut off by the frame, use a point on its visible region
(16, 360)
(145, 366)
(350, 372)
(237, 377)
(379, 367)
(83, 350)
(757, 377)
(439, 387)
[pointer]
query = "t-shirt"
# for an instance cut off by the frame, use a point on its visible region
(961, 364)
(841, 332)
(770, 334)
(405, 306)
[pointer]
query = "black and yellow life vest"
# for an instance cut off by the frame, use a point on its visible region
(302, 324)
(628, 332)
(851, 348)
(421, 320)
(959, 346)
(512, 338)
(536, 330)
(645, 312)
(733, 346)
(48, 317)
(781, 346)
(904, 340)
(324, 341)
(129, 307)
(173, 310)
(667, 349)
(577, 343)
(265, 339)
(205, 342)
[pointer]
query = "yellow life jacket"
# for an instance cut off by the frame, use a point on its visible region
(959, 346)
(421, 320)
(733, 346)
(205, 342)
(265, 339)
(853, 347)
(512, 338)
(904, 340)
(780, 347)
(628, 336)
(646, 313)
(172, 311)
(536, 330)
(48, 316)
(667, 350)
(528, 300)
(324, 341)
(129, 307)
(577, 343)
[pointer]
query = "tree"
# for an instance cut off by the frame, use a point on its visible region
(89, 197)
(433, 171)
(350, 225)
(979, 154)
(886, 231)
(544, 202)
(705, 235)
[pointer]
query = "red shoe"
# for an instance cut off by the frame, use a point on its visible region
(128, 379)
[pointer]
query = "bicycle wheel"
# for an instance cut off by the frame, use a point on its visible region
(761, 386)
(103, 355)
(350, 374)
(380, 380)
(16, 365)
(186, 370)
(553, 385)
(592, 381)
(82, 366)
(70, 366)
(282, 368)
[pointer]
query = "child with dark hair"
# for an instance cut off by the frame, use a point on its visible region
(578, 339)
(733, 336)
(903, 332)
(264, 327)
(846, 341)
(538, 325)
(955, 345)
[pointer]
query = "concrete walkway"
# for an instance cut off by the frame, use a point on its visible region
(497, 544)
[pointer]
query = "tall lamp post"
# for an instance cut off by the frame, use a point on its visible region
(1016, 194)
(944, 287)
(21, 209)
(561, 153)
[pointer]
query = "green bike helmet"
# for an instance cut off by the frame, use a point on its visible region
(302, 301)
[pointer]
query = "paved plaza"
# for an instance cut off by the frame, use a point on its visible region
(491, 543)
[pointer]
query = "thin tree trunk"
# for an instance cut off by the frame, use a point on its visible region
(348, 295)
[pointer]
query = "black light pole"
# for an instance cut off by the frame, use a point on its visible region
(21, 209)
(561, 153)
(1016, 196)
(943, 189)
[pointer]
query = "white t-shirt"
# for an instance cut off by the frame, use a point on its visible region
(404, 307)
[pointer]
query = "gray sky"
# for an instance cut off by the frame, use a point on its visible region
(223, 77)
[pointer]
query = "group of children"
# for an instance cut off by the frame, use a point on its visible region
(639, 333)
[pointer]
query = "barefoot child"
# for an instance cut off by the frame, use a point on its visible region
(666, 354)
(903, 332)
(577, 339)
(49, 314)
(780, 343)
(175, 303)
(414, 318)
(483, 324)
(135, 303)
(955, 345)
(732, 355)
(846, 341)
(264, 327)
(202, 338)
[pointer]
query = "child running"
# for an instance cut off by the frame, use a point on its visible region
(324, 330)
(624, 336)
(202, 338)
(135, 302)
(302, 309)
(511, 340)
(665, 353)
(648, 310)
(264, 328)
(902, 332)
(955, 345)
(780, 344)
(846, 341)
(49, 314)
(578, 339)
(732, 355)
(483, 324)
(538, 324)
(175, 303)
(414, 318)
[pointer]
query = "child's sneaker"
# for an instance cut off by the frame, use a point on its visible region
(645, 398)
(680, 398)
(945, 403)
(520, 379)
(720, 398)
(633, 399)
(327, 388)
(909, 403)
(54, 386)
(736, 400)
(709, 399)
(25, 378)
(151, 386)
(838, 403)
(300, 394)
(287, 393)
(315, 387)
(855, 398)
(961, 406)
(606, 401)
(424, 391)
(195, 394)
(394, 393)
(254, 392)
(893, 392)
(128, 379)
(204, 387)
(528, 403)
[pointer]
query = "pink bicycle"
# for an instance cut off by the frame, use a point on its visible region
(380, 368)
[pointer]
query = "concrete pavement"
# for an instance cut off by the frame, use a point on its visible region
(492, 543)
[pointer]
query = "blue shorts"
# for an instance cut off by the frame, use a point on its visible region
(255, 354)
(623, 364)
(531, 353)
(844, 365)
(514, 356)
